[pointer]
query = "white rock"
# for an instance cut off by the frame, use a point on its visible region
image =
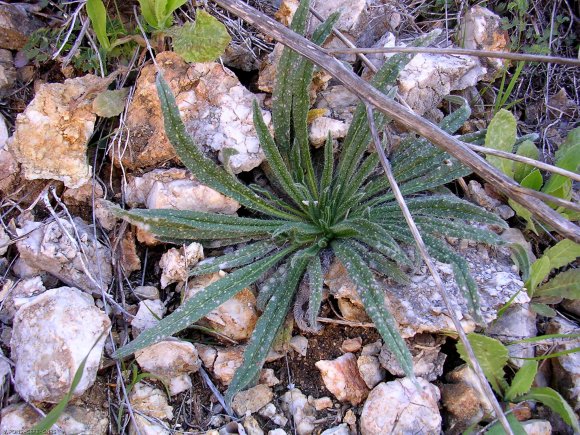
(322, 403)
(302, 412)
(252, 426)
(143, 426)
(566, 368)
(175, 189)
(176, 263)
(372, 348)
(151, 401)
(252, 399)
(537, 427)
(320, 127)
(370, 370)
(481, 29)
(342, 378)
(270, 411)
(51, 136)
(428, 359)
(172, 361)
(400, 404)
(227, 361)
(300, 344)
(4, 241)
(51, 336)
(277, 431)
(148, 315)
(147, 292)
(235, 318)
(215, 107)
(23, 270)
(15, 295)
(81, 262)
(9, 170)
(337, 430)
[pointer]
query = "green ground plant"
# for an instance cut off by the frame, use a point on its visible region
(318, 209)
(494, 356)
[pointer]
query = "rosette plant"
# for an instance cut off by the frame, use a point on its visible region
(318, 206)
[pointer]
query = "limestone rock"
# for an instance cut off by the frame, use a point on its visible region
(400, 404)
(177, 262)
(481, 29)
(340, 102)
(151, 401)
(417, 307)
(7, 72)
(269, 411)
(351, 345)
(17, 294)
(322, 126)
(370, 370)
(51, 336)
(301, 411)
(171, 360)
(147, 316)
(463, 375)
(83, 195)
(342, 378)
(537, 427)
(322, 403)
(235, 318)
(16, 25)
(252, 399)
(81, 262)
(176, 189)
(566, 368)
(428, 359)
(146, 292)
(51, 136)
(8, 164)
(300, 344)
(144, 426)
(128, 256)
(227, 361)
(215, 107)
(267, 377)
(341, 429)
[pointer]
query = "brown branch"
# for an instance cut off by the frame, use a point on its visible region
(460, 51)
(434, 273)
(404, 117)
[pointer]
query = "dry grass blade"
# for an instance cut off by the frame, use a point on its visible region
(461, 51)
(434, 273)
(404, 117)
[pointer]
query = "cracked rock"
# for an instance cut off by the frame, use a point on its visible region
(428, 359)
(235, 318)
(402, 405)
(342, 378)
(216, 110)
(52, 334)
(177, 262)
(81, 262)
(301, 411)
(172, 361)
(176, 189)
(51, 136)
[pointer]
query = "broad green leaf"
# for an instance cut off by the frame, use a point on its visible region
(538, 272)
(492, 356)
(523, 380)
(98, 15)
(108, 104)
(267, 327)
(524, 213)
(315, 281)
(51, 418)
(543, 310)
(516, 426)
(533, 180)
(526, 149)
(501, 135)
(562, 253)
(555, 402)
(567, 157)
(202, 41)
(204, 169)
(521, 259)
(148, 12)
(373, 300)
(565, 284)
(202, 303)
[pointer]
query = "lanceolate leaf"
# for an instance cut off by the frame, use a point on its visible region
(374, 301)
(555, 402)
(267, 328)
(523, 380)
(501, 135)
(98, 15)
(565, 284)
(203, 168)
(315, 281)
(202, 302)
(521, 259)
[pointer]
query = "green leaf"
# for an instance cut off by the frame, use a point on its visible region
(533, 180)
(108, 104)
(521, 260)
(202, 303)
(204, 169)
(543, 310)
(491, 355)
(98, 15)
(565, 285)
(526, 149)
(315, 281)
(555, 402)
(538, 272)
(202, 41)
(522, 381)
(148, 11)
(516, 426)
(267, 327)
(524, 213)
(562, 253)
(567, 157)
(51, 418)
(373, 299)
(501, 135)
(240, 257)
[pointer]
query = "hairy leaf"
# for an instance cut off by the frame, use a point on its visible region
(240, 257)
(555, 402)
(523, 380)
(315, 281)
(202, 41)
(565, 285)
(501, 135)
